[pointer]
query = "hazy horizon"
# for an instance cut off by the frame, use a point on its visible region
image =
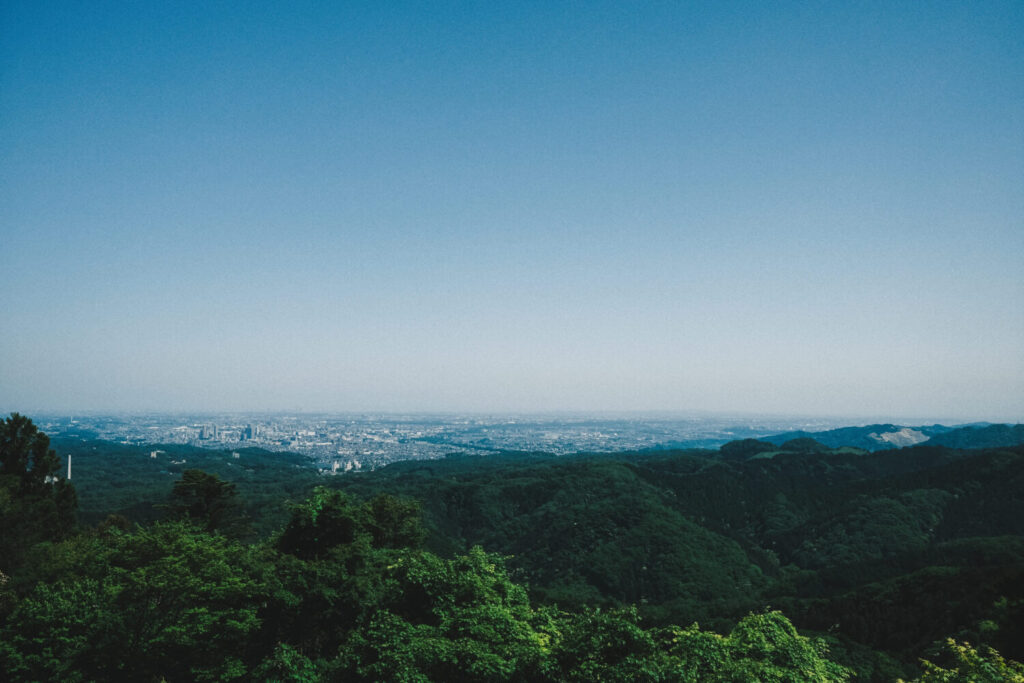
(826, 421)
(773, 209)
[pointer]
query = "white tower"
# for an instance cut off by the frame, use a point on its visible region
(69, 467)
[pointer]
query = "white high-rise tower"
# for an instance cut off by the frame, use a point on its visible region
(69, 467)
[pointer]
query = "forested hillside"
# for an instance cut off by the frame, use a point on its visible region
(886, 552)
(518, 567)
(135, 481)
(884, 436)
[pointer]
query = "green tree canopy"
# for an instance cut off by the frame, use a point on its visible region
(25, 452)
(206, 500)
(971, 665)
(35, 505)
(164, 602)
(745, 448)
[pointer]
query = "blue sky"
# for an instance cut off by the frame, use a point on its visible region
(805, 208)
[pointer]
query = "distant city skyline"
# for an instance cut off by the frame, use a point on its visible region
(504, 208)
(343, 443)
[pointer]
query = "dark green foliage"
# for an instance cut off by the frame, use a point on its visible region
(35, 505)
(745, 448)
(286, 665)
(206, 500)
(168, 601)
(688, 537)
(608, 645)
(394, 522)
(872, 529)
(892, 551)
(113, 478)
(312, 604)
(803, 445)
(590, 532)
(330, 518)
(338, 595)
(327, 565)
(25, 452)
(991, 436)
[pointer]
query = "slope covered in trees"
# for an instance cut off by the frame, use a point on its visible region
(341, 592)
(524, 567)
(135, 481)
(884, 436)
(887, 552)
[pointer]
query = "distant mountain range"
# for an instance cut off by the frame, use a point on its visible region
(883, 436)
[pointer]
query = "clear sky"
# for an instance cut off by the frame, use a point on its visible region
(807, 207)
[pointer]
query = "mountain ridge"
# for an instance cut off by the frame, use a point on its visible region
(877, 437)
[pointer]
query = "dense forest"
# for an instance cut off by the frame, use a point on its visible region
(661, 566)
